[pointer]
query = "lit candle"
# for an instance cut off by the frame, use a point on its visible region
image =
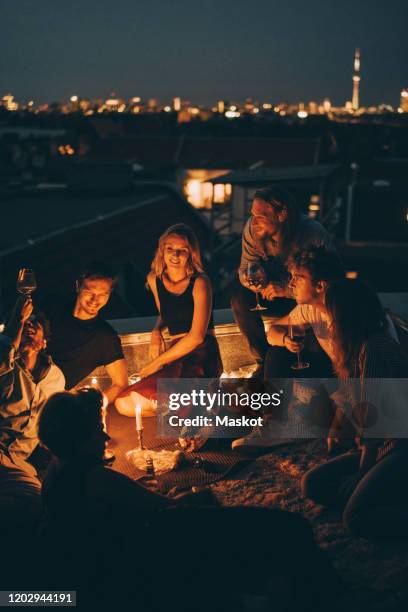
(139, 423)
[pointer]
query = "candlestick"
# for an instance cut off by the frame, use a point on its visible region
(139, 422)
(139, 425)
(140, 438)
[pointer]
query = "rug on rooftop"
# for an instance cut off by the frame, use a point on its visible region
(217, 460)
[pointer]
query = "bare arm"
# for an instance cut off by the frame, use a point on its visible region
(157, 345)
(202, 296)
(117, 370)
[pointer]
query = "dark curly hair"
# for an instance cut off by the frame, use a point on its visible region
(322, 263)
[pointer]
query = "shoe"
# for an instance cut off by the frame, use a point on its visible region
(260, 440)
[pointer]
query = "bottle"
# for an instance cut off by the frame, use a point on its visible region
(150, 468)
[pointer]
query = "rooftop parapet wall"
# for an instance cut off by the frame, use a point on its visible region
(135, 338)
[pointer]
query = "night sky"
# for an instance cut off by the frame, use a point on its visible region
(268, 50)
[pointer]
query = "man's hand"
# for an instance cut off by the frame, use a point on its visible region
(22, 310)
(292, 345)
(250, 286)
(272, 291)
(26, 309)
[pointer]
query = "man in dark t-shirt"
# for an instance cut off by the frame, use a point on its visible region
(81, 340)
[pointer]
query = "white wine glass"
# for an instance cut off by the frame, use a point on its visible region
(26, 282)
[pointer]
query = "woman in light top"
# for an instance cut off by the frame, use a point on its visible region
(183, 296)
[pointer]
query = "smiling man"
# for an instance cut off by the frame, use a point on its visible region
(81, 340)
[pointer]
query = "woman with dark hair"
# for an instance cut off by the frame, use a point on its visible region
(275, 230)
(183, 296)
(369, 483)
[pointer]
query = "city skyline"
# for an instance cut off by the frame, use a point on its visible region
(203, 52)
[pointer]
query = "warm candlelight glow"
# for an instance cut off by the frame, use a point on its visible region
(139, 422)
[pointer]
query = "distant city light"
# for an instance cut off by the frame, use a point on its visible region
(187, 111)
(352, 274)
(326, 105)
(230, 114)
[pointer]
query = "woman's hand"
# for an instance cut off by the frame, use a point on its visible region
(151, 368)
(157, 346)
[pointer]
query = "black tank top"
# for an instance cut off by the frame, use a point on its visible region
(177, 310)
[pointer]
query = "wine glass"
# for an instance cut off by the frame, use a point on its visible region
(297, 333)
(26, 282)
(256, 277)
(108, 453)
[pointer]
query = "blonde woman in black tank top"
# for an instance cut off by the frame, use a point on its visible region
(183, 296)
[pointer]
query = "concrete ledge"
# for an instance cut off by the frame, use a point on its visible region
(135, 337)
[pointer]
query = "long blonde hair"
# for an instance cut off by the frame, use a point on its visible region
(194, 263)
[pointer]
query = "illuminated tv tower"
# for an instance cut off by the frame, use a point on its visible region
(356, 81)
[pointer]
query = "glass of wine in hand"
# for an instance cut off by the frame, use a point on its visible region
(256, 277)
(297, 334)
(26, 282)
